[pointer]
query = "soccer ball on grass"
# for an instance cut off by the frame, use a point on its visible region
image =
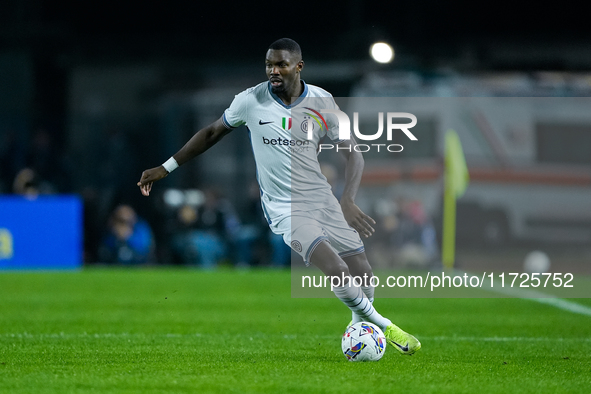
(363, 342)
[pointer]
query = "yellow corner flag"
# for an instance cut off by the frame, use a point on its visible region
(456, 182)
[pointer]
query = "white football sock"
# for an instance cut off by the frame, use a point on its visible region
(369, 292)
(357, 301)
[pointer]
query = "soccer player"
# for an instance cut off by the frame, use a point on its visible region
(296, 198)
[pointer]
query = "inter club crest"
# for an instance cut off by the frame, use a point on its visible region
(296, 245)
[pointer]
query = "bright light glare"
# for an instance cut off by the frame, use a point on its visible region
(382, 52)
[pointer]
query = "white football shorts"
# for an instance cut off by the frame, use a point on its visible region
(304, 230)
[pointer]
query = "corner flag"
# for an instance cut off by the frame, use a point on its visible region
(456, 182)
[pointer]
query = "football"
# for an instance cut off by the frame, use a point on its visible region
(363, 342)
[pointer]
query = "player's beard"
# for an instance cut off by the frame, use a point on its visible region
(278, 89)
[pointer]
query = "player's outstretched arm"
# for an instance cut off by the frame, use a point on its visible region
(353, 172)
(199, 143)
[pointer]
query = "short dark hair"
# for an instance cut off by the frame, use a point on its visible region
(287, 44)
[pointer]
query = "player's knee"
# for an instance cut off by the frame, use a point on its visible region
(359, 265)
(328, 261)
(337, 269)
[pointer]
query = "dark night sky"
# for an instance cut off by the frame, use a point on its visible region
(59, 35)
(230, 30)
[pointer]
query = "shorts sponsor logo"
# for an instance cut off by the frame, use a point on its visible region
(296, 245)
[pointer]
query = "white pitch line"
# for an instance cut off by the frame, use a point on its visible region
(123, 335)
(566, 305)
(537, 296)
(97, 335)
(503, 339)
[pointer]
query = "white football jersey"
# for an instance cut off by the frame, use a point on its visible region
(288, 171)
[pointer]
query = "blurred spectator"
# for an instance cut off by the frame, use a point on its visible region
(280, 252)
(34, 166)
(28, 184)
(44, 157)
(415, 236)
(11, 159)
(110, 171)
(93, 223)
(129, 239)
(254, 237)
(203, 235)
(405, 233)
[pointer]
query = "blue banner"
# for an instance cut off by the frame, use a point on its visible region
(44, 233)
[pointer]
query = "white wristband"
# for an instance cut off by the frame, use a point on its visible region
(170, 165)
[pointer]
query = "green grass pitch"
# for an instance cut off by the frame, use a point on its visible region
(189, 331)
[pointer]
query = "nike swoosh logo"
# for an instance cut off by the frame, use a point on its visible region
(262, 123)
(403, 348)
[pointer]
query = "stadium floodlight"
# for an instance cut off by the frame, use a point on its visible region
(382, 52)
